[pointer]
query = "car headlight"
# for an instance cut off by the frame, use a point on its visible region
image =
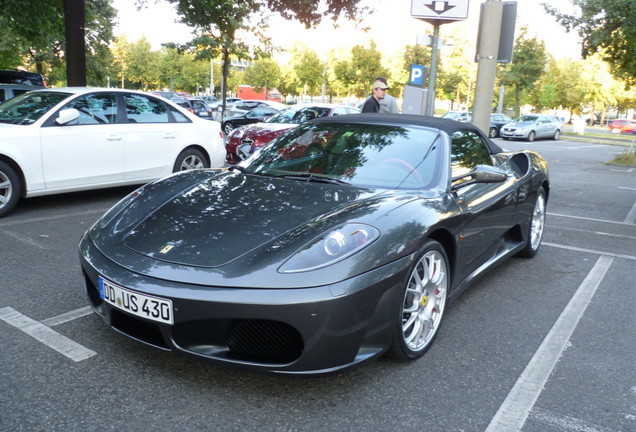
(331, 247)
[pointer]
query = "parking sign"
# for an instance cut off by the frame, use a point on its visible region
(417, 74)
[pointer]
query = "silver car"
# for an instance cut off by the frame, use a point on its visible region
(532, 126)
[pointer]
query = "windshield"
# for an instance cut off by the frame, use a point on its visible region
(28, 108)
(298, 115)
(526, 118)
(363, 155)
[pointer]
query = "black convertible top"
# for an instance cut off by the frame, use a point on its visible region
(446, 125)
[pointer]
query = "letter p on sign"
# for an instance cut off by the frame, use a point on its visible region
(417, 75)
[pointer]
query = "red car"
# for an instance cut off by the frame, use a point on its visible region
(246, 140)
(622, 126)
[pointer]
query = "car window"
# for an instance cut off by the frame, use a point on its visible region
(339, 111)
(143, 109)
(29, 107)
(95, 108)
(177, 115)
(468, 150)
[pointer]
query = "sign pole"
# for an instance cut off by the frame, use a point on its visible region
(430, 97)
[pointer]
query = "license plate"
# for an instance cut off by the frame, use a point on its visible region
(152, 308)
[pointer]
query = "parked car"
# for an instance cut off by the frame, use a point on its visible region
(532, 126)
(344, 239)
(617, 125)
(196, 106)
(70, 139)
(9, 91)
(22, 78)
(246, 140)
(255, 115)
(460, 116)
(166, 94)
(218, 105)
(496, 122)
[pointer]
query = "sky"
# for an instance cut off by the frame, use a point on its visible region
(391, 26)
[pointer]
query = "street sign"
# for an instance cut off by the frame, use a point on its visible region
(417, 75)
(446, 10)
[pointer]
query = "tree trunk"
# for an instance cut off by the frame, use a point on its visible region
(74, 21)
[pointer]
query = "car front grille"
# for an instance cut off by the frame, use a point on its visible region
(264, 341)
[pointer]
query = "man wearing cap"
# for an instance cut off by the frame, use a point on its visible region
(388, 104)
(378, 90)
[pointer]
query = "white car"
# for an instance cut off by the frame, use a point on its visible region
(71, 139)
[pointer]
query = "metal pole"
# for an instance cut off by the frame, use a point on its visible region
(430, 97)
(490, 30)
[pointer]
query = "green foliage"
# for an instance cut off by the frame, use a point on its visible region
(359, 71)
(605, 27)
(263, 74)
(527, 67)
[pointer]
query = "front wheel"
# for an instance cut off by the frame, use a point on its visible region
(10, 188)
(531, 136)
(420, 313)
(228, 128)
(535, 228)
(190, 159)
(492, 133)
(557, 135)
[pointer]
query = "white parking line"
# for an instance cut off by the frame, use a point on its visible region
(68, 316)
(514, 411)
(46, 335)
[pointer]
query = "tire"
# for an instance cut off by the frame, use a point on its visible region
(190, 159)
(557, 135)
(536, 224)
(492, 133)
(228, 128)
(421, 310)
(10, 188)
(531, 136)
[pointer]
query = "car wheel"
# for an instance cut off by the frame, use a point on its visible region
(557, 135)
(531, 136)
(228, 128)
(190, 159)
(492, 133)
(535, 228)
(10, 188)
(422, 307)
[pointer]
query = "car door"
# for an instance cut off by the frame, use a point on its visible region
(487, 209)
(86, 152)
(153, 135)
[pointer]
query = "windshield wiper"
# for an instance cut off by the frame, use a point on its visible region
(310, 177)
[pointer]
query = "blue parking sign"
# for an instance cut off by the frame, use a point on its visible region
(417, 75)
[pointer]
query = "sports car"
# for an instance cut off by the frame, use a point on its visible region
(339, 241)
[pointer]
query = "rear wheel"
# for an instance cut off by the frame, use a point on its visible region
(422, 308)
(10, 188)
(535, 228)
(190, 159)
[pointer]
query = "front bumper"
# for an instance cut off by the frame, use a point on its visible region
(313, 330)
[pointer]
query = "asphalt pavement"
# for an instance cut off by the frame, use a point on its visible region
(539, 345)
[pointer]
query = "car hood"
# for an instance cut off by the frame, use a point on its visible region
(232, 223)
(262, 129)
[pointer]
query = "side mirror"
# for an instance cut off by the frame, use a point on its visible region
(66, 116)
(479, 174)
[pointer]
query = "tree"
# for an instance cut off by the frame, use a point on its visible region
(263, 74)
(605, 27)
(528, 65)
(360, 70)
(218, 21)
(38, 31)
(308, 69)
